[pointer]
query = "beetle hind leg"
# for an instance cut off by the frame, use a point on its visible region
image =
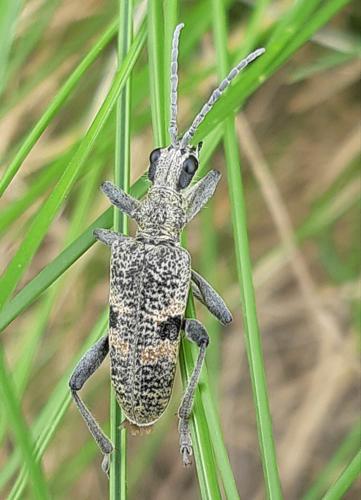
(195, 332)
(87, 365)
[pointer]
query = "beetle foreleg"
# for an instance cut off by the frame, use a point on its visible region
(108, 237)
(87, 365)
(198, 195)
(195, 332)
(205, 293)
(120, 199)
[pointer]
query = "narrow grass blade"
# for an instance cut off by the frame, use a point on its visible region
(156, 71)
(118, 467)
(21, 433)
(252, 334)
(208, 269)
(346, 479)
(201, 438)
(9, 11)
(349, 446)
(49, 209)
(207, 473)
(55, 106)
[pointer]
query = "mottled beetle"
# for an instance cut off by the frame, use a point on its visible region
(150, 277)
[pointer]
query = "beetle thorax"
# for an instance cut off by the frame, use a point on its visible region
(161, 215)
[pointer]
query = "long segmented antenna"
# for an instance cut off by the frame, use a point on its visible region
(216, 94)
(173, 129)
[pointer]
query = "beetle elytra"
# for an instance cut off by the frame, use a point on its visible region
(150, 280)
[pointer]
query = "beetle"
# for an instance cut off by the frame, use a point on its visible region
(150, 278)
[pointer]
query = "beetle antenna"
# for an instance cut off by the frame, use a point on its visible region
(216, 94)
(173, 129)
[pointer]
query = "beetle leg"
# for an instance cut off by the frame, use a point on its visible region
(107, 236)
(120, 199)
(87, 365)
(204, 292)
(198, 194)
(195, 332)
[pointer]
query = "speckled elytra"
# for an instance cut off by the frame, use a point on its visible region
(150, 277)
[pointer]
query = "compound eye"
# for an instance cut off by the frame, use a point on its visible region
(190, 165)
(154, 155)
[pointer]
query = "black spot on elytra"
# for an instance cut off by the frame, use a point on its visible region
(170, 328)
(113, 318)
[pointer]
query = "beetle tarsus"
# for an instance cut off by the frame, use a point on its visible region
(185, 442)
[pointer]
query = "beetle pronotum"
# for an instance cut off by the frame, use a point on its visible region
(150, 278)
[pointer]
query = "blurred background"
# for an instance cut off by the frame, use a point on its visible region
(299, 137)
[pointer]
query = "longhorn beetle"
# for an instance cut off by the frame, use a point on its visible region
(150, 277)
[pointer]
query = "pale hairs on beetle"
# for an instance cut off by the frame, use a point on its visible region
(150, 277)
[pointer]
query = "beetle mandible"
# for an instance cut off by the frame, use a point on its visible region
(150, 278)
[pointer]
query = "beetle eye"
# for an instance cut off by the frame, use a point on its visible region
(154, 155)
(190, 165)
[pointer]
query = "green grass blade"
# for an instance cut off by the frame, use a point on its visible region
(348, 447)
(208, 269)
(207, 473)
(201, 438)
(244, 267)
(346, 479)
(156, 71)
(19, 428)
(118, 467)
(55, 106)
(49, 209)
(9, 11)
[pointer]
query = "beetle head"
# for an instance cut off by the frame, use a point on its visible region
(173, 167)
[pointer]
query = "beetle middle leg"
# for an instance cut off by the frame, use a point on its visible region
(87, 365)
(195, 332)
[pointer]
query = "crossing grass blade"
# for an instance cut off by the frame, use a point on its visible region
(204, 457)
(118, 468)
(251, 329)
